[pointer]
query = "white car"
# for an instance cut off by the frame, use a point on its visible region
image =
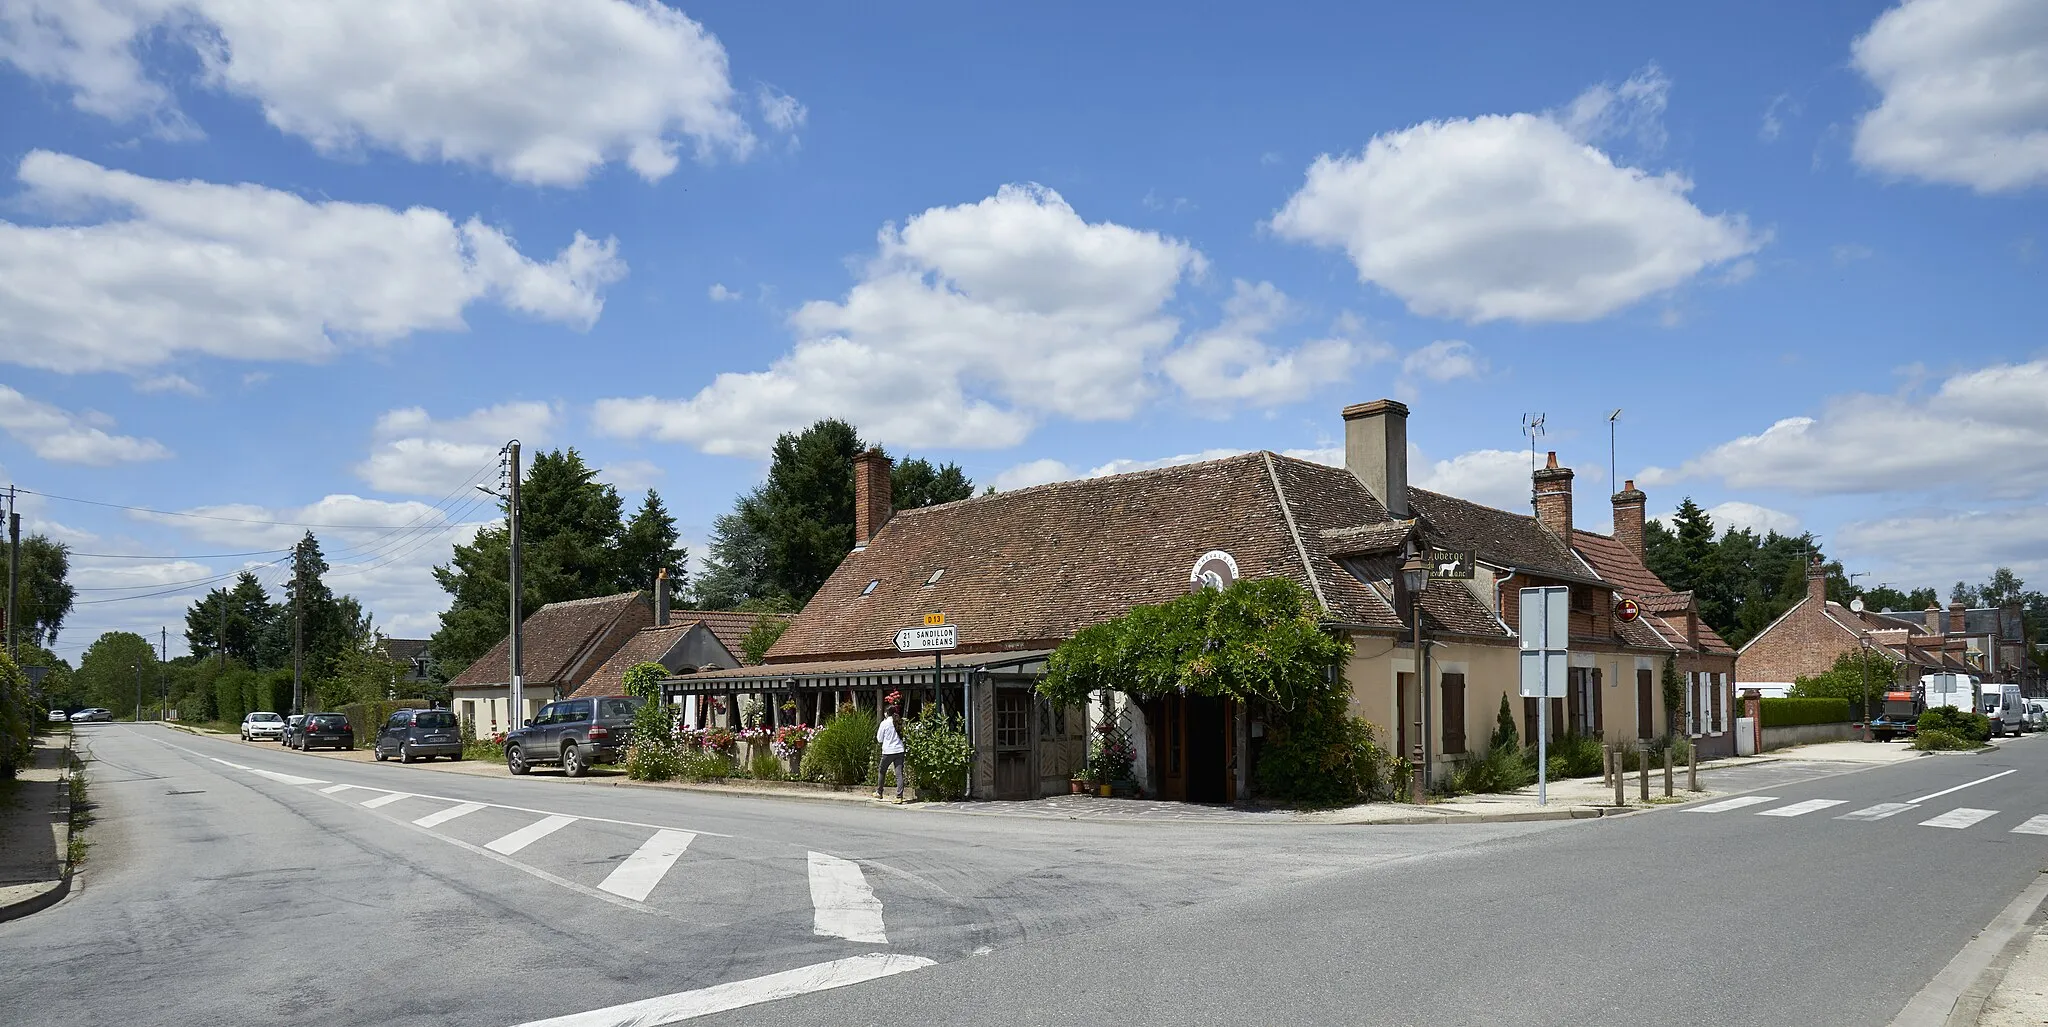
(58, 717)
(90, 714)
(2037, 714)
(262, 725)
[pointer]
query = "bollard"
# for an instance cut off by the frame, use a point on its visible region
(1692, 769)
(1606, 764)
(1667, 772)
(1643, 774)
(1620, 780)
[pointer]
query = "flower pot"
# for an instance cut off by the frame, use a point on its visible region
(1102, 789)
(1080, 787)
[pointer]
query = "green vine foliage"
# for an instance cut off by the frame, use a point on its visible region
(1674, 695)
(1257, 640)
(653, 722)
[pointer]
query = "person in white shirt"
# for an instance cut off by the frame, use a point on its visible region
(890, 734)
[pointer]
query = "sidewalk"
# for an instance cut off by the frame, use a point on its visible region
(2021, 999)
(35, 832)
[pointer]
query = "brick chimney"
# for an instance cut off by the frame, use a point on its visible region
(1376, 451)
(1628, 517)
(661, 597)
(1554, 498)
(1956, 621)
(873, 502)
(1934, 620)
(1817, 581)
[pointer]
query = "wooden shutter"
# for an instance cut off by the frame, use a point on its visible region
(1557, 721)
(1716, 684)
(1529, 720)
(1573, 678)
(1599, 726)
(1454, 713)
(1646, 703)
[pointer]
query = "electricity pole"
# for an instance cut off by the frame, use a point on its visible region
(220, 641)
(518, 690)
(13, 569)
(298, 636)
(163, 673)
(138, 692)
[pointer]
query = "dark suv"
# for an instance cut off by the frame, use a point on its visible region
(574, 733)
(321, 729)
(417, 734)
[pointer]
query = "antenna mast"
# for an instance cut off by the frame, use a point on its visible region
(1612, 478)
(1532, 426)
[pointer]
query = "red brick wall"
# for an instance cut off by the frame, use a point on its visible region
(1805, 642)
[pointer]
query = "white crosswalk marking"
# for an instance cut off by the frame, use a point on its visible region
(2037, 825)
(1879, 811)
(385, 800)
(1738, 802)
(529, 834)
(331, 789)
(842, 904)
(644, 869)
(1800, 809)
(1959, 818)
(440, 817)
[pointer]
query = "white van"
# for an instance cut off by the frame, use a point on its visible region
(2006, 708)
(1957, 690)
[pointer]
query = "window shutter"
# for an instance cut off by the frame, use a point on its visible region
(1557, 721)
(1574, 679)
(1454, 713)
(1529, 720)
(1599, 726)
(1718, 722)
(1646, 703)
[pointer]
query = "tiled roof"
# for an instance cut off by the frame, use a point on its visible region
(647, 645)
(1665, 602)
(1502, 538)
(730, 627)
(405, 648)
(1664, 609)
(1366, 538)
(554, 637)
(893, 662)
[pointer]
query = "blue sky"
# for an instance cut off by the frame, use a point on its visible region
(313, 265)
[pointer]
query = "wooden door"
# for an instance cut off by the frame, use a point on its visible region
(1015, 777)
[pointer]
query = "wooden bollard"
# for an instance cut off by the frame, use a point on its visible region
(1643, 774)
(1692, 769)
(1667, 771)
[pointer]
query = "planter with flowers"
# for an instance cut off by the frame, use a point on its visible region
(1110, 758)
(789, 746)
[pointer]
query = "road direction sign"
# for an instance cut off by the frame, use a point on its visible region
(925, 640)
(1546, 632)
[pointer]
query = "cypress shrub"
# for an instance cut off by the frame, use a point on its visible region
(1794, 712)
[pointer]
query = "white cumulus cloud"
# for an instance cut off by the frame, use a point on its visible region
(1232, 362)
(1445, 360)
(720, 294)
(968, 325)
(59, 435)
(1964, 93)
(1034, 472)
(1516, 216)
(540, 91)
(1498, 478)
(414, 453)
(149, 269)
(1736, 515)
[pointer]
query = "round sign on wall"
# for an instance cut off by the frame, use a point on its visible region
(1216, 569)
(1627, 611)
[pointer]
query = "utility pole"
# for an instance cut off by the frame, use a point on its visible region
(163, 674)
(298, 637)
(220, 640)
(13, 569)
(138, 692)
(518, 690)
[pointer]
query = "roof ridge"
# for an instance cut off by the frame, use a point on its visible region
(591, 600)
(1300, 547)
(1091, 478)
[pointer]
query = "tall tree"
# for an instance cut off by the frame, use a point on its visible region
(43, 595)
(1963, 592)
(233, 621)
(112, 669)
(735, 571)
(2003, 588)
(569, 523)
(916, 482)
(325, 623)
(649, 544)
(1885, 597)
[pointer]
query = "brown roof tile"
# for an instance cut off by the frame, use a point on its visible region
(559, 642)
(1502, 538)
(1616, 564)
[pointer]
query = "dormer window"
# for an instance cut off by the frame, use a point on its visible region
(871, 586)
(936, 575)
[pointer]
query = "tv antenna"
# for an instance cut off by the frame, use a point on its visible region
(1612, 479)
(1532, 426)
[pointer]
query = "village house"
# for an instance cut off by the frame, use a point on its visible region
(1017, 573)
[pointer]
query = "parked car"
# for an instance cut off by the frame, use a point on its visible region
(2002, 703)
(91, 713)
(575, 733)
(262, 725)
(2037, 714)
(59, 717)
(321, 729)
(417, 734)
(291, 728)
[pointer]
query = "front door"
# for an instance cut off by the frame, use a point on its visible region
(1014, 766)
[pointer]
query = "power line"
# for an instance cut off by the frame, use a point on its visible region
(183, 588)
(193, 556)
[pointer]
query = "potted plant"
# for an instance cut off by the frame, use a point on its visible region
(1078, 783)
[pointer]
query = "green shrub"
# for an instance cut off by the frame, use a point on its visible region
(705, 765)
(1504, 768)
(764, 766)
(938, 754)
(1936, 740)
(1573, 755)
(1320, 755)
(17, 739)
(1968, 726)
(651, 758)
(1794, 712)
(1504, 734)
(1680, 746)
(844, 751)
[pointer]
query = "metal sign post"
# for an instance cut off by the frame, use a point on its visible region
(935, 637)
(1546, 660)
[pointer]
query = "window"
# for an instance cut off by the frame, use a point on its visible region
(1454, 713)
(399, 720)
(936, 575)
(1582, 600)
(871, 586)
(573, 711)
(435, 720)
(617, 707)
(546, 714)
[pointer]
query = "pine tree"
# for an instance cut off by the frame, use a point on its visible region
(647, 545)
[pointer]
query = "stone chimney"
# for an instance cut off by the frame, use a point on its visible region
(1554, 498)
(1956, 621)
(1628, 517)
(873, 502)
(1376, 451)
(661, 598)
(1817, 581)
(1934, 620)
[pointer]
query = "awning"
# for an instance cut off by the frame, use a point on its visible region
(828, 675)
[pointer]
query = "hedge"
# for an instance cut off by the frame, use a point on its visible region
(1794, 712)
(367, 717)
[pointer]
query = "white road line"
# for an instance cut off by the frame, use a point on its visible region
(225, 763)
(529, 834)
(290, 779)
(689, 1005)
(1959, 818)
(1800, 809)
(1972, 784)
(443, 816)
(385, 800)
(1736, 803)
(842, 904)
(2037, 825)
(331, 789)
(644, 869)
(1879, 811)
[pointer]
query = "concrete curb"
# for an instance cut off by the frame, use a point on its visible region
(61, 887)
(1949, 1000)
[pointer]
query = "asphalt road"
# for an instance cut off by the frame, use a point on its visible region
(238, 884)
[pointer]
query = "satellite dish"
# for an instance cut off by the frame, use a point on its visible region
(1216, 569)
(1856, 604)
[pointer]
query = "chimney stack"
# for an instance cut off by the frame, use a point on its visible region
(1376, 451)
(1817, 581)
(1628, 517)
(1934, 620)
(661, 598)
(1957, 624)
(1554, 498)
(873, 502)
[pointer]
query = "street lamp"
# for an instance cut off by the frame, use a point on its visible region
(1862, 661)
(1415, 577)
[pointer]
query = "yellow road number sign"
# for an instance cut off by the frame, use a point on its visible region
(934, 620)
